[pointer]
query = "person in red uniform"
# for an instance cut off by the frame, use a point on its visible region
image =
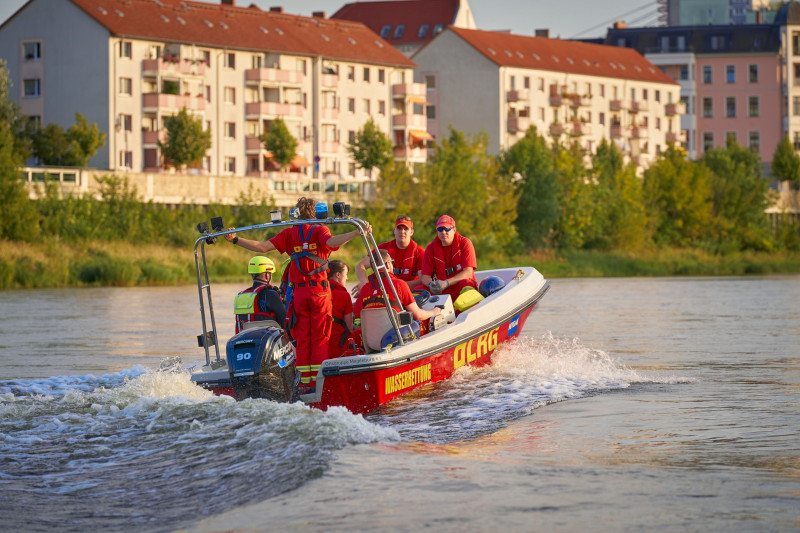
(449, 262)
(405, 253)
(371, 295)
(262, 301)
(341, 309)
(309, 246)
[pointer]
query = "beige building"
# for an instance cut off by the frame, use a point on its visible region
(127, 65)
(504, 83)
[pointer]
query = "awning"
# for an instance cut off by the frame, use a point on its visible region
(417, 99)
(300, 161)
(420, 135)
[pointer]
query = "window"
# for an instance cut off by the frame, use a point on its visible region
(381, 107)
(601, 118)
(300, 66)
(540, 85)
(437, 29)
(644, 94)
(398, 31)
(797, 140)
(208, 93)
(717, 42)
(32, 51)
(430, 82)
(658, 123)
(385, 31)
(206, 57)
(125, 86)
(752, 74)
(730, 136)
(708, 141)
(754, 141)
(125, 159)
(684, 72)
(351, 136)
(351, 105)
(796, 105)
(230, 130)
(230, 95)
(230, 60)
(423, 31)
(707, 74)
(708, 108)
(32, 88)
(351, 73)
(366, 74)
(126, 49)
(658, 96)
(526, 82)
(730, 74)
(602, 91)
(366, 106)
(125, 122)
(752, 106)
(430, 112)
(230, 164)
(381, 75)
(730, 107)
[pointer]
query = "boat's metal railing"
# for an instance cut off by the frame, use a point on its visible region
(209, 336)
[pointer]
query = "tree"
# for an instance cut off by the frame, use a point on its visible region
(786, 162)
(739, 195)
(531, 162)
(73, 147)
(371, 148)
(280, 143)
(678, 194)
(187, 142)
(574, 228)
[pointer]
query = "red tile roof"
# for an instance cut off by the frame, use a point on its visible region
(411, 14)
(244, 28)
(509, 50)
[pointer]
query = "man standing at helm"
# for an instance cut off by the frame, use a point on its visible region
(262, 301)
(450, 258)
(309, 246)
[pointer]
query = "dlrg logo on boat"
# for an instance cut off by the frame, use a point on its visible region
(475, 348)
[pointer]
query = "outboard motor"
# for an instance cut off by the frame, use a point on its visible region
(261, 362)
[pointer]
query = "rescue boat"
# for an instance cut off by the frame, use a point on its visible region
(259, 361)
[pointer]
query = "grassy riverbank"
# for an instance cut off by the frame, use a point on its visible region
(57, 264)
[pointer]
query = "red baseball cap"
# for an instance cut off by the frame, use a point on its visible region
(404, 220)
(445, 221)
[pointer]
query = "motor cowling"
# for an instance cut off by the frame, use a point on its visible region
(261, 362)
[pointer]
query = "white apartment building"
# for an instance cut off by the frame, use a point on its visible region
(127, 65)
(503, 84)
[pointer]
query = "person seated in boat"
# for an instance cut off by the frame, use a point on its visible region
(371, 295)
(449, 262)
(405, 253)
(309, 313)
(261, 301)
(341, 309)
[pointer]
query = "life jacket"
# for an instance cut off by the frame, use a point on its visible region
(306, 250)
(407, 260)
(440, 267)
(340, 321)
(245, 308)
(377, 296)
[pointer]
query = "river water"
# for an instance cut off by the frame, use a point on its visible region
(625, 405)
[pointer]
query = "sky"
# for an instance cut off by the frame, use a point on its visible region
(566, 19)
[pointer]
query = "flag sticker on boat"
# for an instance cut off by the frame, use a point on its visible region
(512, 326)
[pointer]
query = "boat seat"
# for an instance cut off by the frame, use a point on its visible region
(374, 325)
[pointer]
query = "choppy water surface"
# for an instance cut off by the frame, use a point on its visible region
(626, 405)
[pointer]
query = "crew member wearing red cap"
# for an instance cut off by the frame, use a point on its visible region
(449, 262)
(309, 246)
(405, 253)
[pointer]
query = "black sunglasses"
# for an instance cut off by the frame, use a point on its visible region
(444, 229)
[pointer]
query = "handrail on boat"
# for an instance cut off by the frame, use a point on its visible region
(210, 337)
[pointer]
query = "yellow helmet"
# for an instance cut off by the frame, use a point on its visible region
(260, 264)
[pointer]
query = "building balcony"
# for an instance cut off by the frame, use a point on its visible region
(256, 75)
(557, 128)
(642, 160)
(410, 152)
(678, 108)
(619, 131)
(518, 95)
(519, 124)
(580, 101)
(153, 102)
(672, 137)
(253, 110)
(152, 138)
(557, 100)
(189, 67)
(253, 145)
(581, 128)
(639, 132)
(639, 105)
(328, 113)
(417, 121)
(329, 147)
(619, 105)
(330, 80)
(408, 89)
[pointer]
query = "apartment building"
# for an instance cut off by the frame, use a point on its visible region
(408, 25)
(503, 84)
(730, 78)
(128, 65)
